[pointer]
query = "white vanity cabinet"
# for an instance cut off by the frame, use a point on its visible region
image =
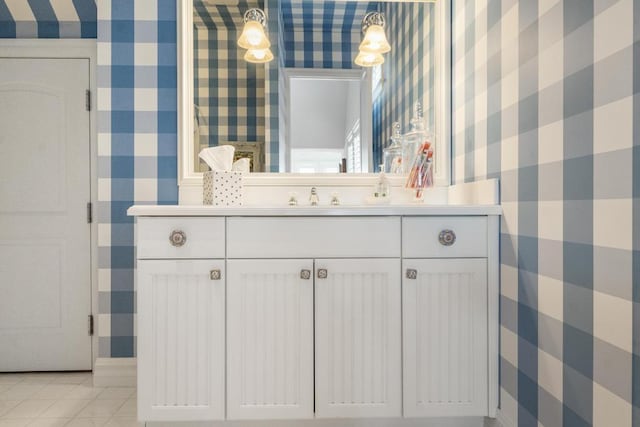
(303, 316)
(270, 339)
(270, 326)
(445, 337)
(181, 337)
(358, 345)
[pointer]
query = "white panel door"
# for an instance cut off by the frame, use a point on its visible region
(358, 345)
(445, 337)
(45, 247)
(270, 339)
(181, 317)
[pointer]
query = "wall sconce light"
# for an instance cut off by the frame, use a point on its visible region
(375, 40)
(258, 56)
(374, 43)
(253, 35)
(365, 59)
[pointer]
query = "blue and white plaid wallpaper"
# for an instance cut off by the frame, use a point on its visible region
(546, 98)
(313, 40)
(229, 92)
(137, 147)
(48, 19)
(408, 71)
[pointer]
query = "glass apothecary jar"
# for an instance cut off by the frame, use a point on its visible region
(392, 157)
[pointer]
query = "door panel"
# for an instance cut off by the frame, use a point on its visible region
(445, 337)
(358, 346)
(270, 339)
(45, 247)
(181, 317)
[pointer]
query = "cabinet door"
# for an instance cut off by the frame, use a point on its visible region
(445, 337)
(270, 339)
(181, 339)
(358, 331)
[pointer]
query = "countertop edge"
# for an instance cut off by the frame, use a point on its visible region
(252, 211)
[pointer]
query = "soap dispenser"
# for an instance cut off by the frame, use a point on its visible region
(414, 139)
(382, 190)
(392, 156)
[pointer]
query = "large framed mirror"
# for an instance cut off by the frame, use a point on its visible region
(311, 109)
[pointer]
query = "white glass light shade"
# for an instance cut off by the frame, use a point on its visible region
(258, 56)
(253, 36)
(365, 59)
(375, 40)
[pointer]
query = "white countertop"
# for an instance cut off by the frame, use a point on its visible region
(346, 210)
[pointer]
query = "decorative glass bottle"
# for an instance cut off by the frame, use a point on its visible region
(393, 153)
(418, 155)
(382, 189)
(413, 140)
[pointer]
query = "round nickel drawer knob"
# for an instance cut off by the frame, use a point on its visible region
(447, 237)
(178, 238)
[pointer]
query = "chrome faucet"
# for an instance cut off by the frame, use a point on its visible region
(313, 198)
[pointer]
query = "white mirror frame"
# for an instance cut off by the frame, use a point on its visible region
(188, 178)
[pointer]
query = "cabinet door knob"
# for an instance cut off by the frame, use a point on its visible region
(177, 238)
(447, 237)
(305, 274)
(412, 273)
(215, 274)
(323, 273)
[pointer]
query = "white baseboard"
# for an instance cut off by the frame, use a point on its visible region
(392, 422)
(114, 372)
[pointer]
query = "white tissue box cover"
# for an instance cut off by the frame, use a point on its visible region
(222, 188)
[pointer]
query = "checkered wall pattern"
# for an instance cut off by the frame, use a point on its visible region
(546, 98)
(313, 40)
(408, 71)
(48, 19)
(229, 92)
(137, 148)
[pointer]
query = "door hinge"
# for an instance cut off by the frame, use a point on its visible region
(91, 325)
(88, 100)
(89, 213)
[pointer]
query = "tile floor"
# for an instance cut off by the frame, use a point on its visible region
(64, 399)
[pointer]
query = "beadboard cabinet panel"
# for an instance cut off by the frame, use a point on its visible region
(445, 337)
(358, 329)
(181, 313)
(270, 339)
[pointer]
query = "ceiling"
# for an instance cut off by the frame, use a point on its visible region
(330, 16)
(222, 14)
(297, 15)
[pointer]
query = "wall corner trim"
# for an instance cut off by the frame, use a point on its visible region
(115, 372)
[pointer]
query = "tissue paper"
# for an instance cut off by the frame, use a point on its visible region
(242, 165)
(218, 158)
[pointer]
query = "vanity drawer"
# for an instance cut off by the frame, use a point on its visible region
(462, 237)
(192, 237)
(313, 237)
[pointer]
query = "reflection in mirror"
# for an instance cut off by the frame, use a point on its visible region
(311, 108)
